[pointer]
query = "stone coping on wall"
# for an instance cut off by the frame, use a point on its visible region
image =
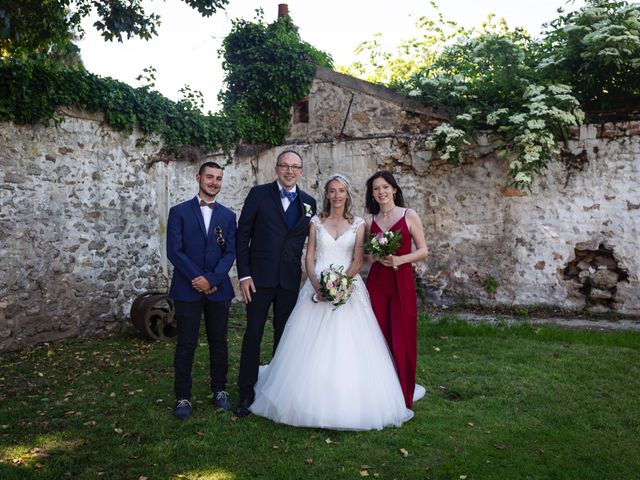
(592, 131)
(381, 92)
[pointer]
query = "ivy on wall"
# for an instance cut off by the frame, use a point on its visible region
(268, 68)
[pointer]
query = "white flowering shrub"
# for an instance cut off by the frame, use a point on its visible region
(488, 80)
(528, 91)
(596, 49)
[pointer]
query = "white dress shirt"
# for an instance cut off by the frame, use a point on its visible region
(206, 213)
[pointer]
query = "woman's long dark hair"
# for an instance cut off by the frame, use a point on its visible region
(372, 206)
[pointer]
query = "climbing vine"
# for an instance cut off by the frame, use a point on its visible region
(268, 68)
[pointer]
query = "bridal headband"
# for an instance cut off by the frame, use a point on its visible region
(341, 178)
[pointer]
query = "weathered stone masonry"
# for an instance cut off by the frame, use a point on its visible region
(83, 212)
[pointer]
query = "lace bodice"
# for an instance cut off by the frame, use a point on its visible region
(338, 251)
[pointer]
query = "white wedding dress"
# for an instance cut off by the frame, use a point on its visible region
(332, 368)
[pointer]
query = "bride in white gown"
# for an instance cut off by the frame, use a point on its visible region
(332, 368)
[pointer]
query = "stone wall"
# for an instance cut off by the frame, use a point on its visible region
(83, 216)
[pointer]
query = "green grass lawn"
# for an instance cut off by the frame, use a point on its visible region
(502, 402)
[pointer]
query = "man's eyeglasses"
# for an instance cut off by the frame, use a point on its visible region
(293, 168)
(219, 237)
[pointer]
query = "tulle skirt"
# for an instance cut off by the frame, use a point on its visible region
(332, 369)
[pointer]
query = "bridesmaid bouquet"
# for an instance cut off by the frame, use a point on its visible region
(335, 286)
(383, 244)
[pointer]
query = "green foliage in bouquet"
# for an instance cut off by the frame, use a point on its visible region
(383, 244)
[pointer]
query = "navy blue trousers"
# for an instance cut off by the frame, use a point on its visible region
(283, 302)
(216, 318)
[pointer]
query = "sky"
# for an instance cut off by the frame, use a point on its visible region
(185, 50)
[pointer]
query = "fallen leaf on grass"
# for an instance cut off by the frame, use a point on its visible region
(200, 434)
(404, 452)
(308, 461)
(364, 470)
(500, 446)
(437, 349)
(142, 478)
(471, 424)
(462, 477)
(328, 440)
(118, 430)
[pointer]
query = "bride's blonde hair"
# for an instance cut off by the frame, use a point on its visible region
(326, 205)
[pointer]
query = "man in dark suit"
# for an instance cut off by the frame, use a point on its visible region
(272, 230)
(201, 245)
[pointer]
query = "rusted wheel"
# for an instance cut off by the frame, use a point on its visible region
(152, 314)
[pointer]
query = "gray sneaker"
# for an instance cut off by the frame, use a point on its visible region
(221, 400)
(182, 410)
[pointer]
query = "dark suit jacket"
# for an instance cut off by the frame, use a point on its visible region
(267, 250)
(194, 252)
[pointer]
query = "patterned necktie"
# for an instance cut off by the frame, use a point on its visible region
(211, 205)
(290, 195)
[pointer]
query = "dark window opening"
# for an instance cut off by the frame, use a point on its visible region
(301, 111)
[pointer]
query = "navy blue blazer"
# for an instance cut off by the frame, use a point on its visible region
(194, 252)
(267, 250)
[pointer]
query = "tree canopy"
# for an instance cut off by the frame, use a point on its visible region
(37, 26)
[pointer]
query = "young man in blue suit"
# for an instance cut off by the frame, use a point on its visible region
(272, 230)
(201, 245)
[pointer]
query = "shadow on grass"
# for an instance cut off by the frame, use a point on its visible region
(502, 402)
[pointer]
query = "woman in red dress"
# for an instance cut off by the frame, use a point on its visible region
(390, 282)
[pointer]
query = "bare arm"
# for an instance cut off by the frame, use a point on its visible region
(367, 231)
(358, 252)
(417, 235)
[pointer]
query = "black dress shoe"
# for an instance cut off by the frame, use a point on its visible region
(243, 408)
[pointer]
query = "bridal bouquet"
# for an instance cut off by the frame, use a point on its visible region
(383, 244)
(335, 286)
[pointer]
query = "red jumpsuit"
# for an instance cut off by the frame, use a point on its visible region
(394, 302)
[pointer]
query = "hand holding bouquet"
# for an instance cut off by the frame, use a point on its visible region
(383, 244)
(336, 287)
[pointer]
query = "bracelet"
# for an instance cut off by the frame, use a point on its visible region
(314, 298)
(395, 268)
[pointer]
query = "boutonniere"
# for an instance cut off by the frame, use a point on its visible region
(307, 210)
